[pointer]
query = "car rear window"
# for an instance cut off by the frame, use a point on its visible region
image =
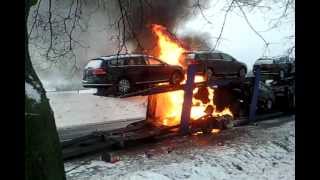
(96, 63)
(264, 61)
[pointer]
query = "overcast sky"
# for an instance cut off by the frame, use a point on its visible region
(238, 39)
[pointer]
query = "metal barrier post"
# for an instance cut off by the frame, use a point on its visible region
(254, 100)
(187, 102)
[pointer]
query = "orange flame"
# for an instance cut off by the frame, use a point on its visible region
(169, 50)
(169, 105)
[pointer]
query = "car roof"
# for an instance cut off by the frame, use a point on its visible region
(273, 58)
(114, 56)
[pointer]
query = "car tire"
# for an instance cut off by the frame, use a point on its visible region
(242, 73)
(176, 78)
(281, 74)
(209, 74)
(123, 86)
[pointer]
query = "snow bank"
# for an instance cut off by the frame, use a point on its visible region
(144, 175)
(32, 93)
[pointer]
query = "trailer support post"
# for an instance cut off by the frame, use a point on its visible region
(187, 102)
(254, 100)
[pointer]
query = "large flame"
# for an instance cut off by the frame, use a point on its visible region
(170, 50)
(169, 105)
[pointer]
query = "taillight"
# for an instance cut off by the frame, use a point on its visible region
(99, 71)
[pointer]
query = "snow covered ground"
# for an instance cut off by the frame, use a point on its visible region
(265, 151)
(73, 108)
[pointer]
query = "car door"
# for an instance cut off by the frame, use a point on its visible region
(157, 70)
(135, 69)
(235, 65)
(229, 66)
(216, 63)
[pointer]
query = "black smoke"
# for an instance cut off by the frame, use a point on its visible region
(139, 15)
(197, 41)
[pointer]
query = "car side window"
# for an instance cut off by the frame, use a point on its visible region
(152, 61)
(214, 56)
(120, 62)
(283, 60)
(140, 61)
(202, 56)
(125, 61)
(226, 57)
(113, 62)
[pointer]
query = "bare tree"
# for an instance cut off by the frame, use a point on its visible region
(43, 155)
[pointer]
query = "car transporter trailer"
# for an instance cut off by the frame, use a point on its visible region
(142, 131)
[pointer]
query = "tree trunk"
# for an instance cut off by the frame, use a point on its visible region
(43, 155)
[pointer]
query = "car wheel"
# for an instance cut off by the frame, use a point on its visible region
(176, 78)
(209, 74)
(269, 105)
(281, 74)
(124, 86)
(242, 73)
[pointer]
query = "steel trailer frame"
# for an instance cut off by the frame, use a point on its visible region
(102, 140)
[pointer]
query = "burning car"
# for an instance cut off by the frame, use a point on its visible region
(216, 63)
(278, 67)
(124, 71)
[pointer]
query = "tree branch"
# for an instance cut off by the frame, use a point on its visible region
(223, 24)
(248, 22)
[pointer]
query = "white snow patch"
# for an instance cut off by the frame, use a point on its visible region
(144, 175)
(32, 93)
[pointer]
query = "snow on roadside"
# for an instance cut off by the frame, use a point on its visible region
(32, 93)
(257, 153)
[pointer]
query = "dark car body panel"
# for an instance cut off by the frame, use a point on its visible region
(271, 67)
(221, 63)
(135, 68)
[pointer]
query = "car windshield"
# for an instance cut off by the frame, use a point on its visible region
(96, 63)
(264, 61)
